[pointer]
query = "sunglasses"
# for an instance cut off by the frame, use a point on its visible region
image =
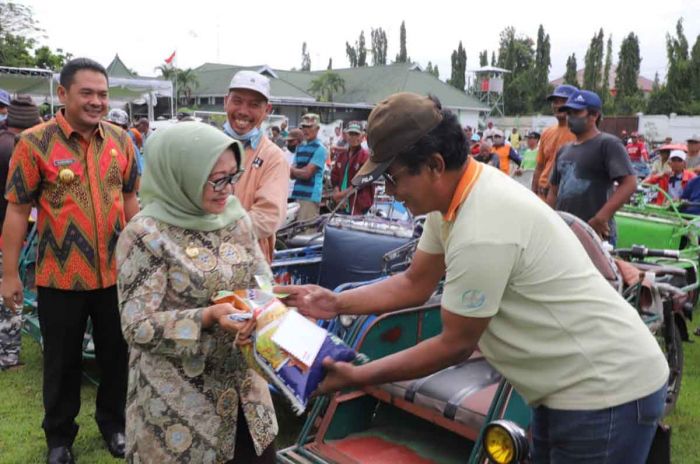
(218, 185)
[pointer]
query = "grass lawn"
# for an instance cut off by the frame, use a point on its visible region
(22, 439)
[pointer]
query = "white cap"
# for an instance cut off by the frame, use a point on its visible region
(252, 81)
(497, 133)
(677, 154)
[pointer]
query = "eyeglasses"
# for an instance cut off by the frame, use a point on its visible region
(393, 178)
(220, 184)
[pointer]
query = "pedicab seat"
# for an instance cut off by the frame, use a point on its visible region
(602, 260)
(462, 393)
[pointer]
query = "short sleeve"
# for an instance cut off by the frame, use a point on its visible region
(430, 241)
(555, 176)
(616, 159)
(319, 158)
(23, 177)
(131, 172)
(476, 277)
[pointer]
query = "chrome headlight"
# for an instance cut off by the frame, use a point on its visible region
(505, 442)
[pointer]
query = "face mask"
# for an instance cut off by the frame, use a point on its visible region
(291, 148)
(577, 124)
(251, 136)
(3, 117)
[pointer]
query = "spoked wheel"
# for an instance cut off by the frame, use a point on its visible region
(669, 338)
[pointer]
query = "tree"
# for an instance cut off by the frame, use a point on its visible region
(305, 58)
(18, 20)
(186, 81)
(516, 54)
(606, 71)
(493, 58)
(352, 54)
(543, 62)
(361, 50)
(44, 58)
(402, 56)
(570, 76)
(16, 51)
(379, 47)
(484, 58)
(432, 70)
(695, 70)
(167, 72)
(459, 68)
(628, 97)
(330, 63)
(326, 85)
(593, 72)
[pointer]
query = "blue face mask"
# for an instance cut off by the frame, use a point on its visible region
(3, 117)
(251, 138)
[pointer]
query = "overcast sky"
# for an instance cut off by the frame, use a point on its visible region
(271, 32)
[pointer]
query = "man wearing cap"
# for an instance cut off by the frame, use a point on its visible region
(529, 159)
(22, 114)
(585, 171)
(638, 154)
(693, 159)
(553, 138)
(345, 167)
(489, 131)
(263, 187)
(672, 183)
(307, 171)
(661, 164)
(4, 104)
(81, 174)
(517, 284)
(506, 153)
(120, 118)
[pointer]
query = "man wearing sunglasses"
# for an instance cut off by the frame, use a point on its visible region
(517, 284)
(263, 186)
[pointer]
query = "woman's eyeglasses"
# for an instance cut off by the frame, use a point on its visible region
(218, 185)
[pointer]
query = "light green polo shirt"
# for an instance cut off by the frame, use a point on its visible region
(558, 332)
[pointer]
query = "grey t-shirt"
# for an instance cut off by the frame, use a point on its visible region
(692, 162)
(585, 174)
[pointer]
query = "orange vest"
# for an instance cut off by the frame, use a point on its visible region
(503, 153)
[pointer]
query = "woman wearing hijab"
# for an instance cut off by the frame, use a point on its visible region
(191, 397)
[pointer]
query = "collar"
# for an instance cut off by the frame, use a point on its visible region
(66, 128)
(464, 187)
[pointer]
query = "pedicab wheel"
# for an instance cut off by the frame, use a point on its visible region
(669, 338)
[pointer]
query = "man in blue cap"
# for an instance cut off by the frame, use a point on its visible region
(4, 105)
(585, 171)
(552, 139)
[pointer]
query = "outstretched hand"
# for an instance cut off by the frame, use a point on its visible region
(311, 300)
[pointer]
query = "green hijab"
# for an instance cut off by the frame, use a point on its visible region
(179, 160)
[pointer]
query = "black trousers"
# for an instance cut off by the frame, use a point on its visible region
(245, 449)
(63, 316)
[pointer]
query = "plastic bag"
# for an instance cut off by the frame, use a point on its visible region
(295, 377)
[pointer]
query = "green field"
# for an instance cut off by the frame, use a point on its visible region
(22, 439)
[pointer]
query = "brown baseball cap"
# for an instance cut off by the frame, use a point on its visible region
(394, 125)
(295, 134)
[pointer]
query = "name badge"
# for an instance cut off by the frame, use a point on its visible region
(63, 162)
(257, 162)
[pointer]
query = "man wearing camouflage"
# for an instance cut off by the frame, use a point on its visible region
(22, 114)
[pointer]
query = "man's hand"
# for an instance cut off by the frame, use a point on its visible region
(518, 172)
(339, 375)
(12, 293)
(600, 225)
(311, 300)
(337, 196)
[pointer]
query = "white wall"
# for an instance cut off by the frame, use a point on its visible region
(679, 128)
(468, 118)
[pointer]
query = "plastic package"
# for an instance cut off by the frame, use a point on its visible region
(295, 377)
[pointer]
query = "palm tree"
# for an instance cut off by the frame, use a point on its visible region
(167, 71)
(326, 85)
(186, 81)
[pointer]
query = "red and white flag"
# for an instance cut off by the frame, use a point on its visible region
(170, 59)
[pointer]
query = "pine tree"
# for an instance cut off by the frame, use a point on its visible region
(352, 55)
(305, 58)
(678, 78)
(459, 68)
(593, 72)
(571, 77)
(628, 98)
(484, 58)
(543, 62)
(402, 56)
(493, 58)
(330, 63)
(361, 50)
(430, 69)
(606, 72)
(379, 47)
